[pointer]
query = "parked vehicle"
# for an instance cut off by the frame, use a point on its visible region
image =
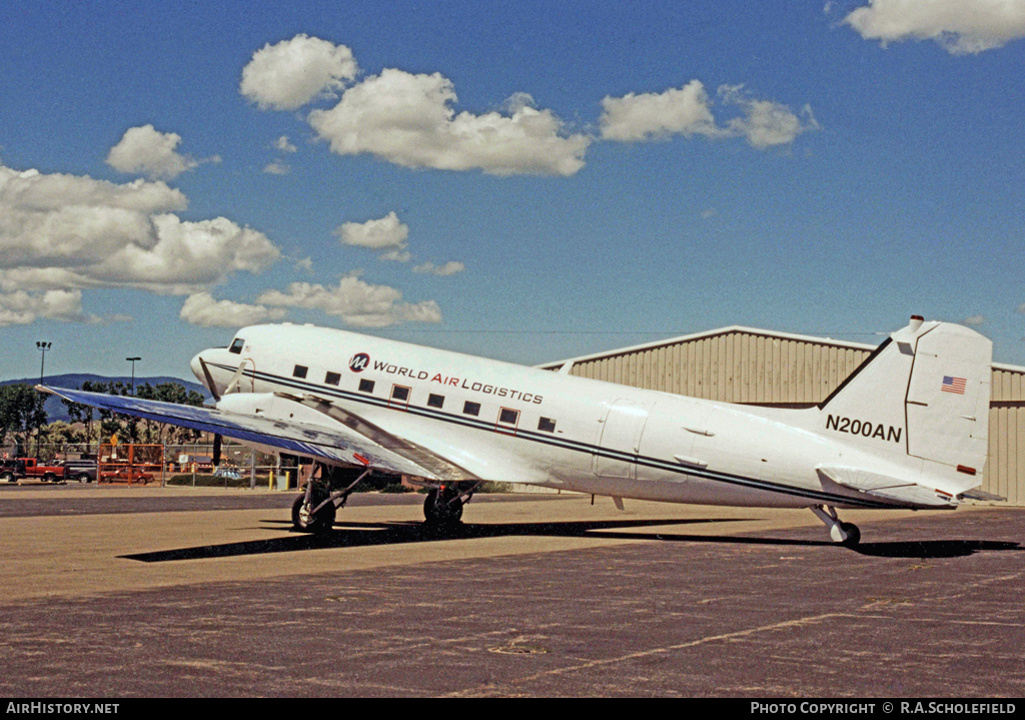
(11, 469)
(83, 470)
(14, 469)
(126, 474)
(229, 473)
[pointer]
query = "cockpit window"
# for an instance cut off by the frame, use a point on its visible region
(236, 346)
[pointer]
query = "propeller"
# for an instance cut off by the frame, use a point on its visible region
(217, 398)
(232, 383)
(210, 381)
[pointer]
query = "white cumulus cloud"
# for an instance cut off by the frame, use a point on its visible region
(961, 27)
(356, 302)
(283, 144)
(688, 111)
(387, 233)
(147, 151)
(409, 120)
(765, 123)
(276, 167)
(294, 72)
(450, 268)
(677, 111)
(203, 310)
(24, 308)
(76, 232)
(186, 255)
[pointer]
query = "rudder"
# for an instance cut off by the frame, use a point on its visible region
(948, 398)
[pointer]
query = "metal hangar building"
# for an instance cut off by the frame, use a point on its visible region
(763, 367)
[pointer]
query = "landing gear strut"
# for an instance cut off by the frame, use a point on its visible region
(326, 491)
(846, 534)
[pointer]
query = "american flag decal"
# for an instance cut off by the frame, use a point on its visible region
(954, 385)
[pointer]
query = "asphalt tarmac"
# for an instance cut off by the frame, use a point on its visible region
(156, 592)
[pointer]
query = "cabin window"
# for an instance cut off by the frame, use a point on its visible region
(300, 371)
(236, 346)
(332, 378)
(366, 386)
(436, 401)
(471, 408)
(509, 417)
(546, 425)
(399, 395)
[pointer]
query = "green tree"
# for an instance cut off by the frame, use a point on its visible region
(173, 392)
(85, 414)
(53, 438)
(21, 413)
(132, 429)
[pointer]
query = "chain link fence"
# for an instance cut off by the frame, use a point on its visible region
(170, 464)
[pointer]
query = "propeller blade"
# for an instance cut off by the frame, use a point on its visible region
(210, 381)
(235, 378)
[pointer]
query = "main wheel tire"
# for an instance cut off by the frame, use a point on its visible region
(443, 509)
(853, 534)
(304, 521)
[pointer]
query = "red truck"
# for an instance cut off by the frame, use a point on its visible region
(13, 469)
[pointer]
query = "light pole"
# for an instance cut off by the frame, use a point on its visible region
(42, 346)
(132, 361)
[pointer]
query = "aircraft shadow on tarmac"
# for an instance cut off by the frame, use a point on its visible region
(346, 535)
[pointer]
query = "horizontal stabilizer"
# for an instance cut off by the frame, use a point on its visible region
(981, 495)
(891, 488)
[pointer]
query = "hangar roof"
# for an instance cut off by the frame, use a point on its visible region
(1008, 380)
(710, 334)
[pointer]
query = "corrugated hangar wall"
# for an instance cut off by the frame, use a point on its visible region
(745, 365)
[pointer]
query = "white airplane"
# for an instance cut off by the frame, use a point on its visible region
(908, 429)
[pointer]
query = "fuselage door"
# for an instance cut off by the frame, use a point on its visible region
(620, 439)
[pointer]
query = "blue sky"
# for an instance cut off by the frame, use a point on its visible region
(522, 180)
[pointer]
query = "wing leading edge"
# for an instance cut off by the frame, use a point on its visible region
(297, 425)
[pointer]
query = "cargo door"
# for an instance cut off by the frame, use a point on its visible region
(620, 439)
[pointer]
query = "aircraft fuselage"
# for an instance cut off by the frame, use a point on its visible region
(509, 423)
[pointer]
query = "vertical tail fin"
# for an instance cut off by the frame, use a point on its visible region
(922, 396)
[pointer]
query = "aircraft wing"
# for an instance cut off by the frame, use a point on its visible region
(288, 423)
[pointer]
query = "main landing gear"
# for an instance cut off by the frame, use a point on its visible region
(329, 488)
(846, 534)
(443, 507)
(326, 491)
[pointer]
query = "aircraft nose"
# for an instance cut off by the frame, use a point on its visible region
(197, 368)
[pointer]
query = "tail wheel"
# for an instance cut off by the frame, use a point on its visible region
(305, 520)
(853, 534)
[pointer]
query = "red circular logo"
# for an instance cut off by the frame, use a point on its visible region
(359, 362)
